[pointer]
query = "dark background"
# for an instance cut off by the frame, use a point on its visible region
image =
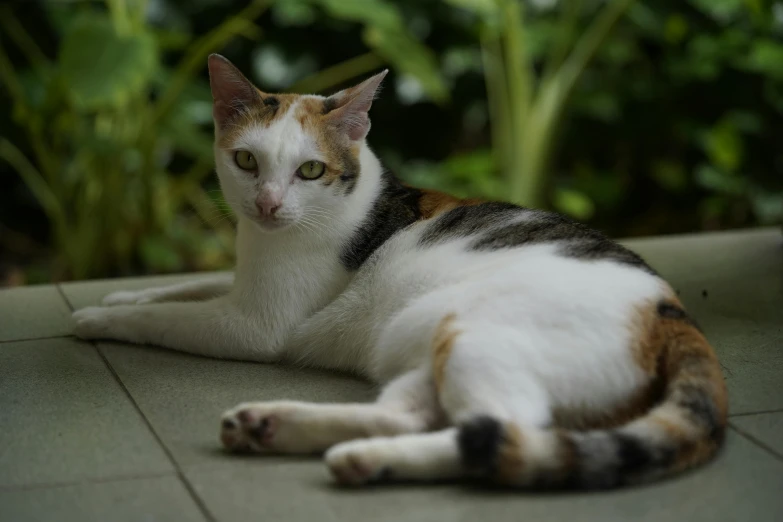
(672, 125)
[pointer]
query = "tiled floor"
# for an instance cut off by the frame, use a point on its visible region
(114, 432)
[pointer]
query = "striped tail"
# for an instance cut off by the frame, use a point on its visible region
(684, 430)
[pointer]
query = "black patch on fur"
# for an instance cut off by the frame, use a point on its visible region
(702, 410)
(634, 456)
(489, 222)
(329, 105)
(395, 208)
(669, 310)
(271, 101)
(467, 220)
(639, 457)
(479, 441)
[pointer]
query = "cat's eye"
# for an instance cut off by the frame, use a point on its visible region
(311, 169)
(245, 160)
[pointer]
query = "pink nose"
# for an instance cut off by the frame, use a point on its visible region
(268, 207)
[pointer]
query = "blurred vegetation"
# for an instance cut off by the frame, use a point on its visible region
(637, 117)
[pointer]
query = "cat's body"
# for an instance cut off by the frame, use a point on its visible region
(493, 329)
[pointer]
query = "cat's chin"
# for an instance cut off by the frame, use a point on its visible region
(271, 225)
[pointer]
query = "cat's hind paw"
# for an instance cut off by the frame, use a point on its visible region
(359, 462)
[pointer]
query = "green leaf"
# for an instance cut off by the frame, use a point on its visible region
(768, 207)
(486, 9)
(101, 68)
(670, 175)
(573, 203)
(676, 29)
(411, 57)
(377, 13)
(386, 34)
(293, 13)
(766, 57)
(158, 253)
(723, 145)
(601, 105)
(711, 178)
(721, 10)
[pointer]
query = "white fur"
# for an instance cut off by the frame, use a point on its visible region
(537, 331)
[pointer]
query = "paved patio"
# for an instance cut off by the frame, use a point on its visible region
(113, 432)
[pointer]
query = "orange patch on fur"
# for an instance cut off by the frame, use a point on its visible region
(442, 345)
(433, 203)
(270, 107)
(510, 461)
(340, 153)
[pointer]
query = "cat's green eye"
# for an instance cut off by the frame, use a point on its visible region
(245, 160)
(311, 169)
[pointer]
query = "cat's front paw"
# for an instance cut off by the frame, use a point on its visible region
(126, 297)
(92, 322)
(249, 427)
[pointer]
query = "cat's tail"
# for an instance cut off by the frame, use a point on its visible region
(684, 430)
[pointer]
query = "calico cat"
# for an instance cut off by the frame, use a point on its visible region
(511, 344)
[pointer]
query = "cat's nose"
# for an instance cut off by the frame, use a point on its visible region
(268, 207)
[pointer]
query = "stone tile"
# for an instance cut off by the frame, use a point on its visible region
(33, 312)
(183, 395)
(767, 428)
(90, 293)
(269, 489)
(65, 418)
(156, 499)
(741, 272)
(753, 368)
(743, 484)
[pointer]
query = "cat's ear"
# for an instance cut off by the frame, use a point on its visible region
(232, 93)
(348, 109)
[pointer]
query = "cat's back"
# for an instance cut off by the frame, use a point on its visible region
(428, 231)
(417, 241)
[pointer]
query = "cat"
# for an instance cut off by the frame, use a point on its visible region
(512, 345)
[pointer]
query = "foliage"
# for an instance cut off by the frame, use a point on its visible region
(109, 172)
(636, 116)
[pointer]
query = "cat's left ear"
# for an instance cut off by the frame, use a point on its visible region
(349, 108)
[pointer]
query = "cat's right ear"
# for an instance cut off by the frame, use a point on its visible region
(232, 93)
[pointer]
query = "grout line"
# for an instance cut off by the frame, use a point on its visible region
(45, 338)
(180, 474)
(756, 441)
(745, 414)
(65, 297)
(185, 482)
(86, 482)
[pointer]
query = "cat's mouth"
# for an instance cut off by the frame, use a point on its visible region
(271, 223)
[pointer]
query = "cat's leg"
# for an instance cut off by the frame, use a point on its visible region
(199, 290)
(477, 373)
(411, 457)
(216, 328)
(407, 404)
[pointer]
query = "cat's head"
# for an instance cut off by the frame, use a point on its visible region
(286, 159)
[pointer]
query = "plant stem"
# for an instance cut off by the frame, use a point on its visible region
(337, 74)
(22, 39)
(498, 102)
(195, 59)
(520, 85)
